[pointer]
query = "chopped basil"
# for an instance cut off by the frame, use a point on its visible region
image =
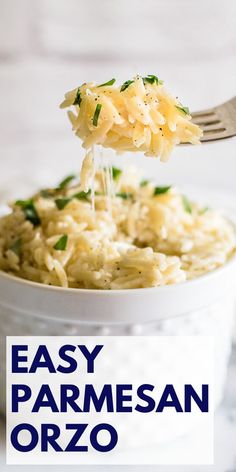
(110, 82)
(16, 247)
(47, 193)
(184, 110)
(62, 202)
(203, 210)
(32, 215)
(186, 204)
(82, 195)
(144, 183)
(124, 195)
(61, 243)
(29, 211)
(161, 190)
(96, 114)
(116, 173)
(50, 192)
(126, 85)
(66, 181)
(78, 99)
(23, 203)
(151, 79)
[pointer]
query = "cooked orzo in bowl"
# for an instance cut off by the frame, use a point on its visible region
(124, 233)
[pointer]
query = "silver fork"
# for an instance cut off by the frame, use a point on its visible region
(218, 122)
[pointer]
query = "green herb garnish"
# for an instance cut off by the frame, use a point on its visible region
(110, 82)
(144, 183)
(78, 99)
(96, 114)
(126, 85)
(116, 173)
(203, 210)
(151, 79)
(161, 190)
(184, 110)
(124, 195)
(47, 193)
(82, 195)
(62, 202)
(186, 204)
(64, 183)
(61, 243)
(29, 211)
(32, 215)
(16, 247)
(24, 203)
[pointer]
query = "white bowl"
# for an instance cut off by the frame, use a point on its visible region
(109, 307)
(203, 306)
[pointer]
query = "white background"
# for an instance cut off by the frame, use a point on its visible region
(49, 46)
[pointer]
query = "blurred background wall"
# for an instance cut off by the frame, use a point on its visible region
(50, 46)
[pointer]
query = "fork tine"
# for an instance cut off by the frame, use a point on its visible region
(215, 135)
(218, 122)
(205, 120)
(213, 130)
(203, 113)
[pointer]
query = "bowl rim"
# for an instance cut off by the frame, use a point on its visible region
(110, 292)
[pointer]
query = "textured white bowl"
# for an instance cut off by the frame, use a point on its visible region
(203, 306)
